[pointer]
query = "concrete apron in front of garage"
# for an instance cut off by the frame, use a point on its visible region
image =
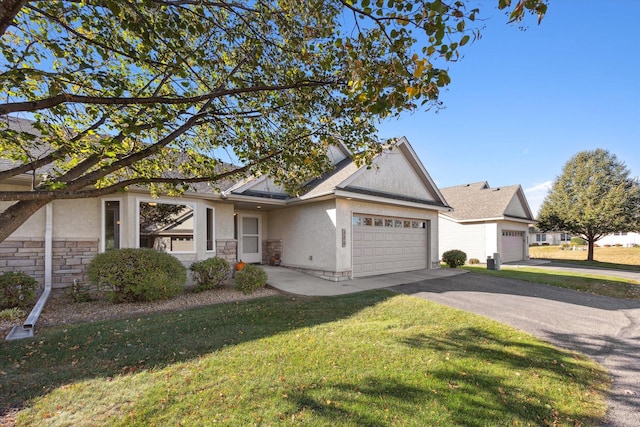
(295, 282)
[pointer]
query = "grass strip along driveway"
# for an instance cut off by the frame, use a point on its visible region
(611, 286)
(374, 358)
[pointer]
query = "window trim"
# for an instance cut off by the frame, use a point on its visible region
(103, 217)
(206, 230)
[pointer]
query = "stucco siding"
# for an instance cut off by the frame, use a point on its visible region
(308, 234)
(77, 219)
(469, 238)
(392, 174)
(515, 208)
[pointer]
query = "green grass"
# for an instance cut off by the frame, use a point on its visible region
(373, 358)
(616, 287)
(618, 258)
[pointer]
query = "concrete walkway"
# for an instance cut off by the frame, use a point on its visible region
(294, 282)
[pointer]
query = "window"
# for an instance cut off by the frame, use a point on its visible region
(378, 222)
(211, 243)
(565, 237)
(357, 220)
(111, 224)
(541, 237)
(367, 221)
(388, 223)
(166, 226)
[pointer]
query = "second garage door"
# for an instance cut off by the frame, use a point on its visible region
(512, 246)
(388, 245)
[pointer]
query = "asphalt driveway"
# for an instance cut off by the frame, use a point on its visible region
(604, 328)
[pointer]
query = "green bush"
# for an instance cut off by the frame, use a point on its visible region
(578, 241)
(210, 273)
(250, 278)
(11, 314)
(474, 261)
(17, 290)
(137, 275)
(454, 258)
(80, 292)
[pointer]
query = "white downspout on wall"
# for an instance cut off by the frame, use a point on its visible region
(26, 330)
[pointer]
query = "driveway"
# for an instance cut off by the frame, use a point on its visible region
(607, 329)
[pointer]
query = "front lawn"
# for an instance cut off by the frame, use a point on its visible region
(373, 358)
(613, 257)
(616, 287)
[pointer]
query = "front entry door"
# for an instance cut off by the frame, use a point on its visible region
(250, 241)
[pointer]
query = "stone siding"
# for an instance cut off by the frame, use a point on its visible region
(333, 276)
(26, 256)
(271, 249)
(70, 259)
(227, 249)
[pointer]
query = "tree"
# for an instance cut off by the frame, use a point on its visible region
(593, 196)
(128, 92)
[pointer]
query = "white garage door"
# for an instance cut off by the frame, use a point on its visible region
(512, 246)
(388, 245)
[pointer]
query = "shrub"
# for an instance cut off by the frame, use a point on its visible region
(11, 314)
(80, 292)
(578, 241)
(565, 247)
(135, 275)
(17, 290)
(454, 258)
(474, 261)
(210, 273)
(618, 245)
(250, 278)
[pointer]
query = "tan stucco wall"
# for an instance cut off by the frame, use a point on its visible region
(77, 219)
(306, 231)
(34, 226)
(393, 174)
(515, 208)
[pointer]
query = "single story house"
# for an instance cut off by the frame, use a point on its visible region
(353, 222)
(624, 238)
(548, 238)
(485, 221)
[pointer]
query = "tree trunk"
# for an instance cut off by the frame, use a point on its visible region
(8, 11)
(15, 215)
(590, 243)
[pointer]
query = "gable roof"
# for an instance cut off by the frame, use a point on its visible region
(478, 201)
(347, 179)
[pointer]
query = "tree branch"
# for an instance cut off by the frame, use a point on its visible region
(30, 106)
(8, 11)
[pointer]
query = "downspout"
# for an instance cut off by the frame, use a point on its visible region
(26, 330)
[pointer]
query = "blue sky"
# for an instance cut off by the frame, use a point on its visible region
(522, 103)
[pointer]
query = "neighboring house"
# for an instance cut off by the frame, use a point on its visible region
(485, 221)
(548, 238)
(354, 222)
(628, 239)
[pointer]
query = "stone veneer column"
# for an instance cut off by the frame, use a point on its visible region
(270, 248)
(70, 260)
(227, 249)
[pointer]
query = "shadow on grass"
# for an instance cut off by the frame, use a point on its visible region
(512, 282)
(591, 264)
(66, 354)
(462, 393)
